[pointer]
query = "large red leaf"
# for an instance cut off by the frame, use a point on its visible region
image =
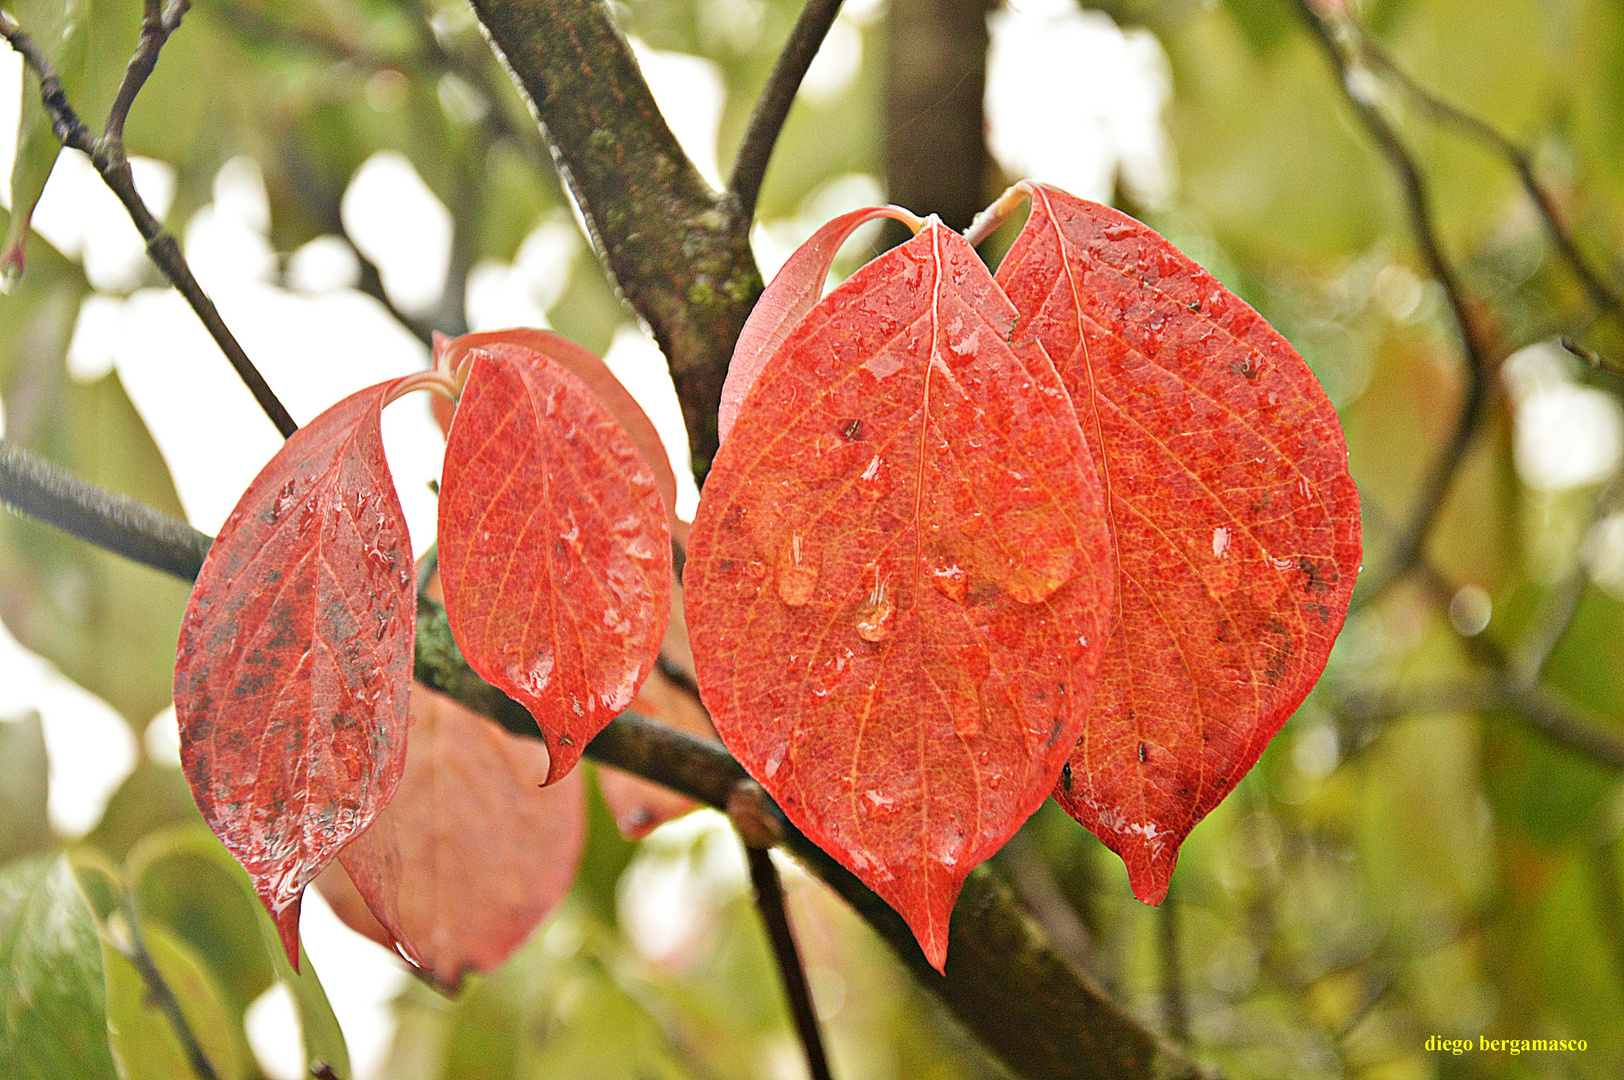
(555, 555)
(585, 365)
(899, 577)
(1233, 519)
(785, 301)
(470, 854)
(295, 655)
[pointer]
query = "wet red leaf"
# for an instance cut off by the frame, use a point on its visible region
(555, 554)
(785, 301)
(899, 577)
(295, 654)
(1233, 519)
(471, 854)
(585, 365)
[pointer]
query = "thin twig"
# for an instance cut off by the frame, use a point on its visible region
(1532, 704)
(770, 902)
(1601, 294)
(1406, 549)
(108, 157)
(1175, 1011)
(158, 21)
(35, 487)
(1562, 604)
(772, 108)
(134, 949)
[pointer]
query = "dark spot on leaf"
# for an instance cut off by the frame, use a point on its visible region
(1144, 754)
(853, 429)
(1065, 776)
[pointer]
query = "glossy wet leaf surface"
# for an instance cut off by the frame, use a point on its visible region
(555, 555)
(898, 579)
(53, 1002)
(471, 853)
(295, 653)
(1234, 523)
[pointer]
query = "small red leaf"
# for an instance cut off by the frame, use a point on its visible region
(782, 304)
(1233, 519)
(585, 365)
(555, 555)
(295, 655)
(899, 577)
(470, 855)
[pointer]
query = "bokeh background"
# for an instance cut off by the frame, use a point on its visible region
(1426, 850)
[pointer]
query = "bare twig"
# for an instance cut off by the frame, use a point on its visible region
(1406, 549)
(134, 949)
(1601, 294)
(1532, 704)
(772, 109)
(769, 892)
(1557, 612)
(1175, 1011)
(107, 154)
(158, 21)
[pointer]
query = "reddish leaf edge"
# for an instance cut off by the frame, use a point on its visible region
(793, 292)
(1150, 881)
(286, 916)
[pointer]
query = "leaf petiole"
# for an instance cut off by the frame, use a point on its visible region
(440, 382)
(993, 216)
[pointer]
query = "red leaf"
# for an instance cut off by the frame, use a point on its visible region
(899, 576)
(295, 655)
(782, 304)
(1233, 518)
(585, 365)
(554, 550)
(470, 855)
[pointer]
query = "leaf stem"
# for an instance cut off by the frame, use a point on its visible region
(772, 108)
(769, 892)
(107, 155)
(1405, 551)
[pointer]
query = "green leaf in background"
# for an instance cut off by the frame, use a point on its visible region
(23, 787)
(53, 1020)
(107, 623)
(185, 880)
(152, 798)
(89, 43)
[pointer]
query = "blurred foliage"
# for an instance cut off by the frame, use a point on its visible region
(1445, 872)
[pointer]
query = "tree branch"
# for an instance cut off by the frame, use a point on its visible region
(678, 251)
(1004, 981)
(107, 154)
(1406, 550)
(134, 949)
(772, 108)
(769, 892)
(1601, 294)
(158, 21)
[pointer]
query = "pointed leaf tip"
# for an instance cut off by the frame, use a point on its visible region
(555, 552)
(1235, 522)
(899, 577)
(287, 927)
(295, 655)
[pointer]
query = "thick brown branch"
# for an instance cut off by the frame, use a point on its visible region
(678, 251)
